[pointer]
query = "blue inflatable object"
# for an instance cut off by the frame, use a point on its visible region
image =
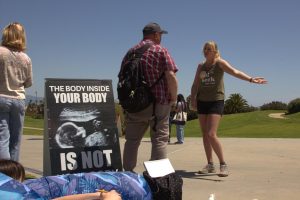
(131, 186)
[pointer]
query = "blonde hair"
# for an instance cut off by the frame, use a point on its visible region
(214, 45)
(14, 37)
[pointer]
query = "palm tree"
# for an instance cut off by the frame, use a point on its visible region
(235, 104)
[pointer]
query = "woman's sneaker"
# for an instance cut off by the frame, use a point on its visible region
(223, 171)
(209, 168)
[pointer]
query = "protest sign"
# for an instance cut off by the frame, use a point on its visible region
(81, 133)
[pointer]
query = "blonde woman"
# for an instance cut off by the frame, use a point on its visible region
(207, 96)
(15, 75)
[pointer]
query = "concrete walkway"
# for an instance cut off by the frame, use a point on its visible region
(261, 169)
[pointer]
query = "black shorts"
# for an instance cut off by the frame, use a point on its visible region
(210, 107)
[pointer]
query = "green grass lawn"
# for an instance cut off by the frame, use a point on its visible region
(35, 123)
(245, 125)
(29, 176)
(252, 125)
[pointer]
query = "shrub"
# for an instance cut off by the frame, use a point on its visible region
(274, 105)
(37, 116)
(250, 109)
(120, 116)
(191, 115)
(294, 106)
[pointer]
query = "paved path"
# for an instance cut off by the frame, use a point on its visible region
(262, 169)
(33, 128)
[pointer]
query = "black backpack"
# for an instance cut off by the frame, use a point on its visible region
(168, 187)
(133, 92)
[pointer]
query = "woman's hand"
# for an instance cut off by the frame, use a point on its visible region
(193, 104)
(258, 80)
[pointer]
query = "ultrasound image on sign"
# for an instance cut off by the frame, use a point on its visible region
(82, 128)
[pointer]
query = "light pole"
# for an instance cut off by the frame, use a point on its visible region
(35, 97)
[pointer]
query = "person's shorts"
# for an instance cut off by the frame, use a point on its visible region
(210, 107)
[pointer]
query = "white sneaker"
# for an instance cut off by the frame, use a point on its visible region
(209, 168)
(223, 171)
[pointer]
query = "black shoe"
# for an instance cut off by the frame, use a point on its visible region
(178, 142)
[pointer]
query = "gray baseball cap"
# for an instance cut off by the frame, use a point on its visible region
(153, 28)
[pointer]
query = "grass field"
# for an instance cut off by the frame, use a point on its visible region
(31, 123)
(245, 125)
(252, 125)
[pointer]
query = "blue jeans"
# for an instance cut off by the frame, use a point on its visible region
(180, 133)
(12, 112)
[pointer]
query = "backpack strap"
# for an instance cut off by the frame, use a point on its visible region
(141, 51)
(135, 53)
(154, 102)
(160, 77)
(138, 53)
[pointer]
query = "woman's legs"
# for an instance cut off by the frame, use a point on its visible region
(209, 126)
(16, 128)
(12, 113)
(180, 133)
(4, 128)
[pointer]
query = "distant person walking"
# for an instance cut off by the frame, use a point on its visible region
(15, 75)
(180, 109)
(154, 62)
(207, 95)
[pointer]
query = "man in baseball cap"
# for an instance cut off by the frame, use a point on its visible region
(153, 28)
(158, 69)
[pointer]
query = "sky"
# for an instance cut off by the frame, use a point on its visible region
(87, 39)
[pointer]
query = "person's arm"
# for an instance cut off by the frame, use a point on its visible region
(28, 82)
(172, 85)
(111, 195)
(194, 88)
(239, 74)
(87, 196)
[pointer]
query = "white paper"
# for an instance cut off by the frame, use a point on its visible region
(159, 168)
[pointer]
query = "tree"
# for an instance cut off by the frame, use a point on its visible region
(235, 104)
(294, 106)
(191, 114)
(274, 105)
(35, 109)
